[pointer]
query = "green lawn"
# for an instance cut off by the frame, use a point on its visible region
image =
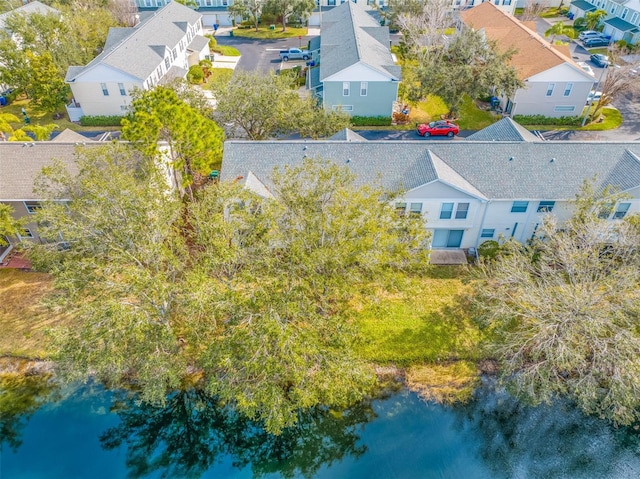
(612, 119)
(264, 33)
(428, 319)
(219, 76)
(226, 50)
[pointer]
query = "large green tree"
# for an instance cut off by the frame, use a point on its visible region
(565, 311)
(48, 90)
(285, 9)
(9, 226)
(116, 272)
(262, 106)
(468, 64)
(248, 10)
(160, 119)
(250, 293)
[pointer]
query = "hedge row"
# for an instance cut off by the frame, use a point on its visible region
(100, 120)
(546, 120)
(371, 120)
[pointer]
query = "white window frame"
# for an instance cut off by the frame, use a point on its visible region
(565, 108)
(342, 107)
(460, 212)
(624, 13)
(634, 18)
(449, 211)
(415, 208)
(32, 206)
(346, 88)
(28, 235)
(364, 88)
(567, 89)
(621, 210)
(520, 204)
(545, 206)
(484, 233)
(105, 89)
(550, 88)
(123, 90)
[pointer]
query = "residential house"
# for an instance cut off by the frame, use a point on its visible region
(507, 6)
(622, 21)
(554, 84)
(22, 163)
(159, 49)
(357, 72)
(496, 184)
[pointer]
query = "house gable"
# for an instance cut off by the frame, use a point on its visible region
(566, 72)
(437, 189)
(359, 72)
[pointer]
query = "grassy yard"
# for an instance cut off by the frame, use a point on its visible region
(427, 320)
(22, 321)
(226, 50)
(611, 119)
(264, 33)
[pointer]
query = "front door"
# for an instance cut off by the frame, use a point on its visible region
(447, 238)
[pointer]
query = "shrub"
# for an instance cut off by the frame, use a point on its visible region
(489, 249)
(546, 120)
(371, 120)
(99, 120)
(212, 41)
(195, 75)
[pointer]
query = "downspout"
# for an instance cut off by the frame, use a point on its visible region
(484, 215)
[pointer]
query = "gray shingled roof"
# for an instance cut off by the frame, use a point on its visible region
(140, 52)
(70, 136)
(198, 43)
(503, 130)
(496, 170)
(28, 9)
(21, 164)
(347, 134)
(350, 34)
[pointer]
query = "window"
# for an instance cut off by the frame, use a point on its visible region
(167, 63)
(32, 206)
(506, 2)
(462, 210)
(621, 210)
(613, 8)
(605, 211)
(546, 206)
(446, 211)
(25, 233)
(123, 92)
(634, 17)
(624, 13)
(147, 3)
(519, 206)
(401, 208)
(225, 3)
(550, 89)
(416, 208)
(564, 108)
(331, 3)
(174, 55)
(567, 89)
(487, 233)
(364, 86)
(105, 90)
(497, 2)
(346, 88)
(342, 107)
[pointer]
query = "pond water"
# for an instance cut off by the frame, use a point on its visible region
(88, 432)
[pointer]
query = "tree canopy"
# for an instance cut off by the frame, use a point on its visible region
(262, 106)
(285, 9)
(248, 293)
(565, 311)
(194, 141)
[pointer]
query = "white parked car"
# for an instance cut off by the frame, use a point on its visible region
(594, 96)
(586, 68)
(589, 34)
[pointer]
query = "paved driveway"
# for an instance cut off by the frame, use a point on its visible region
(261, 55)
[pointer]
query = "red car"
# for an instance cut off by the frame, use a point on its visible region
(440, 127)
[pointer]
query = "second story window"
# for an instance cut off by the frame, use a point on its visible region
(519, 206)
(567, 89)
(346, 87)
(621, 210)
(364, 86)
(416, 208)
(550, 89)
(105, 90)
(462, 210)
(123, 92)
(546, 206)
(446, 211)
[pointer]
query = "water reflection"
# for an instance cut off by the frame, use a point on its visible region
(20, 397)
(549, 441)
(187, 436)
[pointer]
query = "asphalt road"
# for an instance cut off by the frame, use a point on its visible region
(262, 55)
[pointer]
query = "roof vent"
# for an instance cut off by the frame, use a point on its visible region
(304, 148)
(511, 158)
(348, 160)
(552, 160)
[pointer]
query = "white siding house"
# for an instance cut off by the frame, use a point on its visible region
(495, 184)
(622, 21)
(159, 49)
(554, 84)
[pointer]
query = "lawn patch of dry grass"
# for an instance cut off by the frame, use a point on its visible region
(23, 321)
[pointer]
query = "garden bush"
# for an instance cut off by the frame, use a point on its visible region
(195, 76)
(371, 120)
(489, 249)
(113, 120)
(546, 120)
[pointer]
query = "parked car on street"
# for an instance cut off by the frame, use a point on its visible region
(438, 128)
(294, 54)
(594, 96)
(600, 60)
(596, 42)
(590, 34)
(586, 68)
